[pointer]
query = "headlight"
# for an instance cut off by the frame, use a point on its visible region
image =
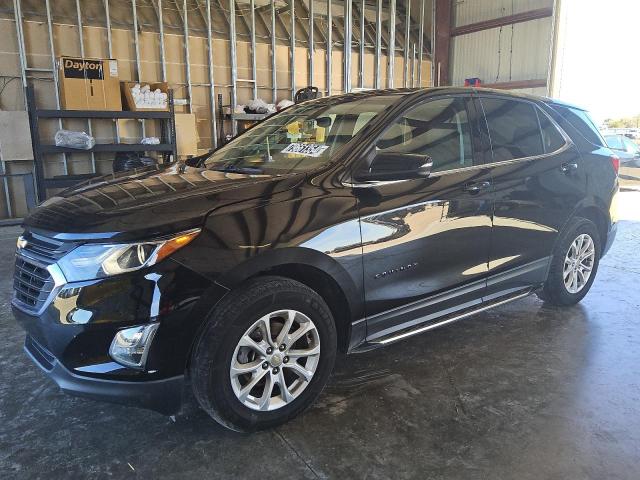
(99, 260)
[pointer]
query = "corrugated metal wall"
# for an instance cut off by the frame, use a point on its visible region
(503, 54)
(472, 11)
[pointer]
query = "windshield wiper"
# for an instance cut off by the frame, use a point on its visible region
(235, 169)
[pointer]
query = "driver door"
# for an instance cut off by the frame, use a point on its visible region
(425, 240)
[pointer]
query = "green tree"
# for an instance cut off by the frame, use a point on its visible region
(629, 122)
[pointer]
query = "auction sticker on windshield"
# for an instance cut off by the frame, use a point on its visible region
(306, 149)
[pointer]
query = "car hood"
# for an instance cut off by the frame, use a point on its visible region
(148, 202)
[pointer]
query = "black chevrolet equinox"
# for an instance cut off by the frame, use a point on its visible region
(340, 224)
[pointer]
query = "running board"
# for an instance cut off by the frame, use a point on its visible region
(446, 321)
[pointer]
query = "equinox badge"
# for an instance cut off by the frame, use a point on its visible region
(395, 270)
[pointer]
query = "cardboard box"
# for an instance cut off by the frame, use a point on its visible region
(89, 84)
(186, 134)
(128, 98)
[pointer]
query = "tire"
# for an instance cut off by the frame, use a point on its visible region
(265, 300)
(555, 291)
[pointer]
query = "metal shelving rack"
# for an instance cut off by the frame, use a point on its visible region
(167, 147)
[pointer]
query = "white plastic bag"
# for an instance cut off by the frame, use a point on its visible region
(71, 139)
(282, 104)
(258, 105)
(144, 97)
(150, 141)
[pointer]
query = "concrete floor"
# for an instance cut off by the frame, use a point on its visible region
(524, 391)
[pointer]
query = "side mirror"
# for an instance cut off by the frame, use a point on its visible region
(323, 122)
(198, 160)
(397, 166)
(193, 162)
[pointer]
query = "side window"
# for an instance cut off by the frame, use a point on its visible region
(438, 128)
(581, 121)
(552, 139)
(513, 129)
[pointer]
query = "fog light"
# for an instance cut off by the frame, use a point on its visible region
(130, 346)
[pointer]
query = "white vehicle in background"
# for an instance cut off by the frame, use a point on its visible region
(629, 153)
(625, 148)
(633, 133)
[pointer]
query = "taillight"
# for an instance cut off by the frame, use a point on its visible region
(615, 161)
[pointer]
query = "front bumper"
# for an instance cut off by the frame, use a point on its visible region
(69, 338)
(164, 396)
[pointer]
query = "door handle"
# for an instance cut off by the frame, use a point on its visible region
(568, 167)
(474, 188)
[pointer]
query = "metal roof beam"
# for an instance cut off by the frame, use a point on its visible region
(243, 17)
(317, 30)
(503, 21)
(225, 15)
(367, 31)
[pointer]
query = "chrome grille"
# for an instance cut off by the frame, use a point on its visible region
(44, 249)
(32, 281)
(32, 284)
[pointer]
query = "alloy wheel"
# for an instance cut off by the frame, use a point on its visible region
(578, 263)
(275, 360)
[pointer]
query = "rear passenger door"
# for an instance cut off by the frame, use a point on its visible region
(425, 241)
(538, 180)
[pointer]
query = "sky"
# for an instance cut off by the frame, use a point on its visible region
(599, 66)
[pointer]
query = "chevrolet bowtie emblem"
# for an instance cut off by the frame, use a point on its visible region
(21, 243)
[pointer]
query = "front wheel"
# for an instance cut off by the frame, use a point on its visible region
(574, 264)
(264, 355)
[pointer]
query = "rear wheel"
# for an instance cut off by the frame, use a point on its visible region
(574, 264)
(264, 355)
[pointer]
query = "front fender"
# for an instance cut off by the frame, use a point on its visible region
(345, 273)
(309, 226)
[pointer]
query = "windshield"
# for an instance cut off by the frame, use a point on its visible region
(302, 138)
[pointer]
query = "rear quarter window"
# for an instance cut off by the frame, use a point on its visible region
(551, 137)
(581, 121)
